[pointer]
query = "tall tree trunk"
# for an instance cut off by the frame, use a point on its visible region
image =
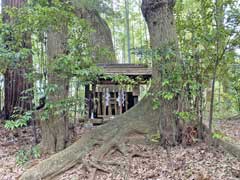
(15, 80)
(128, 30)
(1, 95)
(55, 128)
(219, 20)
(101, 36)
(133, 41)
(161, 24)
(113, 25)
(142, 118)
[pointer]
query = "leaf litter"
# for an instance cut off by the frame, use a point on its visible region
(149, 162)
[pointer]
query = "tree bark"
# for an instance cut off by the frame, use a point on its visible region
(141, 119)
(161, 24)
(100, 37)
(55, 128)
(15, 80)
(128, 30)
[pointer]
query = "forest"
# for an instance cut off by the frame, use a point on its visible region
(120, 89)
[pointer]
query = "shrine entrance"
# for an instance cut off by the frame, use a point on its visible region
(106, 98)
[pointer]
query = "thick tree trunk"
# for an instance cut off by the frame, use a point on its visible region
(15, 83)
(100, 37)
(55, 128)
(141, 119)
(161, 24)
(15, 80)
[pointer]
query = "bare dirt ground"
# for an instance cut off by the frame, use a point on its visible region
(150, 162)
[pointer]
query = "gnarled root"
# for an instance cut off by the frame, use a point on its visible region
(108, 135)
(141, 119)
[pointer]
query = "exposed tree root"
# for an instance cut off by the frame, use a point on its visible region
(233, 149)
(100, 155)
(111, 163)
(140, 155)
(98, 167)
(234, 118)
(122, 149)
(140, 119)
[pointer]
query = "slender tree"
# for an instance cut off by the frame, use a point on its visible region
(219, 54)
(128, 30)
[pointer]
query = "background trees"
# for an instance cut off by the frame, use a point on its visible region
(69, 38)
(207, 34)
(64, 50)
(16, 82)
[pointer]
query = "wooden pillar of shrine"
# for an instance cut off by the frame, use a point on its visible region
(87, 101)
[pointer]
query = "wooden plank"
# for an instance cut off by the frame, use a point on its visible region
(109, 110)
(98, 104)
(87, 101)
(121, 65)
(94, 99)
(104, 101)
(108, 85)
(120, 107)
(97, 121)
(109, 102)
(136, 90)
(127, 69)
(115, 103)
(126, 101)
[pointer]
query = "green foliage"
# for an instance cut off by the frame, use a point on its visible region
(156, 103)
(99, 5)
(155, 138)
(170, 73)
(208, 37)
(200, 43)
(18, 120)
(235, 82)
(23, 156)
(122, 80)
(139, 37)
(33, 18)
(186, 116)
(218, 135)
(36, 18)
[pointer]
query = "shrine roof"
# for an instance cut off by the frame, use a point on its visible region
(127, 69)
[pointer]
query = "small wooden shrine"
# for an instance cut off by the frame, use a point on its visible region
(106, 98)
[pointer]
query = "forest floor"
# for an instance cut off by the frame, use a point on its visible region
(150, 162)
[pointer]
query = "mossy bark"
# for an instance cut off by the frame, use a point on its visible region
(161, 24)
(100, 36)
(55, 128)
(141, 119)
